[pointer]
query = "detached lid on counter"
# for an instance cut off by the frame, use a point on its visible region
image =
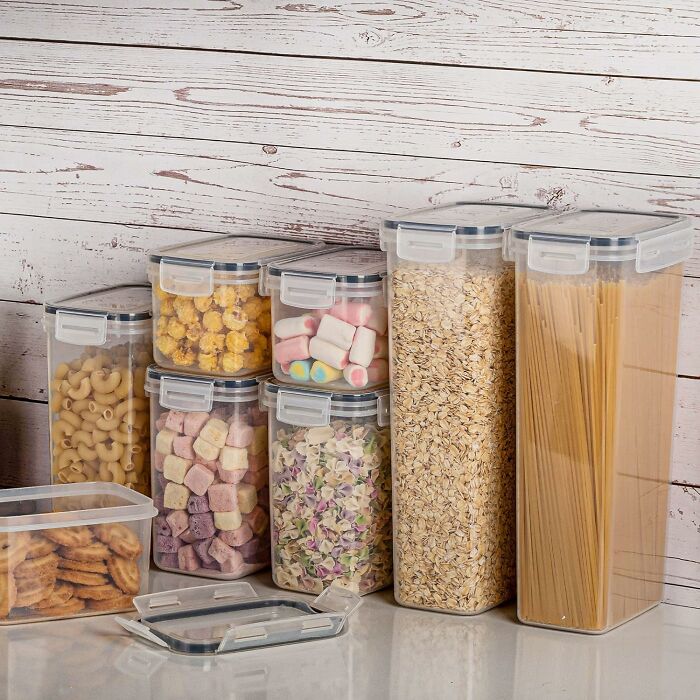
(566, 243)
(231, 617)
(314, 281)
(192, 269)
(433, 235)
(85, 319)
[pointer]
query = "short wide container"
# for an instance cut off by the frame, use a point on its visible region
(208, 314)
(452, 336)
(330, 488)
(209, 475)
(99, 348)
(70, 550)
(329, 319)
(598, 309)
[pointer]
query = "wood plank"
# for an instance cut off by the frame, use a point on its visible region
(683, 546)
(573, 121)
(637, 37)
(686, 443)
(233, 187)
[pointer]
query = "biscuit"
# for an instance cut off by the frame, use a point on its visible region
(102, 592)
(39, 547)
(123, 602)
(13, 549)
(125, 574)
(8, 593)
(32, 590)
(120, 539)
(31, 568)
(94, 567)
(77, 536)
(84, 578)
(61, 594)
(70, 607)
(90, 552)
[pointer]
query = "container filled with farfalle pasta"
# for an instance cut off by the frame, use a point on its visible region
(208, 314)
(99, 345)
(69, 550)
(330, 488)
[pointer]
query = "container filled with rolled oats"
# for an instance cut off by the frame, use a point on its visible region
(452, 348)
(208, 314)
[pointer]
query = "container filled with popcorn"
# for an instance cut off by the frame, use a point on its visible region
(330, 488)
(208, 314)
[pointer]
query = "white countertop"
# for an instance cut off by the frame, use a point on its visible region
(386, 652)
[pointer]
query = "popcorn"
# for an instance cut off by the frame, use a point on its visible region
(203, 304)
(226, 295)
(176, 329)
(212, 321)
(166, 345)
(211, 343)
(236, 320)
(236, 341)
(232, 363)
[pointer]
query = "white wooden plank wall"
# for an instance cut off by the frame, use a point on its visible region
(125, 125)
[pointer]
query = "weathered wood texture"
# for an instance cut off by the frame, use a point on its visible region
(635, 37)
(575, 121)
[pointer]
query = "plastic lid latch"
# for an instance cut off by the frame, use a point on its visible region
(307, 291)
(426, 245)
(559, 256)
(81, 328)
(308, 410)
(186, 394)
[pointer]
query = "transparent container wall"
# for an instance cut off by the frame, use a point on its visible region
(453, 431)
(98, 408)
(54, 573)
(210, 477)
(344, 347)
(226, 333)
(330, 500)
(596, 379)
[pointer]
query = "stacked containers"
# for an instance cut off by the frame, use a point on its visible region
(330, 319)
(330, 488)
(452, 336)
(99, 345)
(209, 464)
(598, 307)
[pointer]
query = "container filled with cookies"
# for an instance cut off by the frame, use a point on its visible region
(99, 345)
(69, 550)
(208, 314)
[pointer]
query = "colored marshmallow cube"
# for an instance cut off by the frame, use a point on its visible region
(160, 526)
(250, 550)
(234, 565)
(164, 441)
(220, 551)
(257, 479)
(258, 520)
(188, 536)
(256, 416)
(259, 443)
(356, 376)
(158, 459)
(321, 373)
(178, 520)
(215, 432)
(336, 332)
(175, 468)
(327, 352)
(300, 370)
(257, 462)
(168, 561)
(235, 538)
(175, 421)
(285, 367)
(298, 325)
(234, 458)
(194, 422)
(176, 496)
(167, 545)
(239, 435)
(198, 479)
(187, 558)
(353, 312)
(247, 496)
(206, 450)
(228, 520)
(232, 477)
(182, 446)
(211, 464)
(198, 504)
(202, 525)
(223, 497)
(160, 423)
(362, 350)
(202, 549)
(296, 348)
(379, 320)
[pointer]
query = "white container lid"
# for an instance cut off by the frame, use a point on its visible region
(434, 234)
(84, 319)
(566, 243)
(47, 507)
(192, 268)
(314, 281)
(316, 408)
(185, 392)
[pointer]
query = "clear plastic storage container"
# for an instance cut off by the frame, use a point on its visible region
(329, 319)
(452, 336)
(598, 306)
(209, 475)
(330, 488)
(70, 550)
(208, 314)
(99, 348)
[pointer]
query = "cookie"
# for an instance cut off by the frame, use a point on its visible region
(39, 547)
(96, 551)
(31, 568)
(8, 593)
(125, 574)
(32, 590)
(103, 592)
(13, 549)
(70, 607)
(84, 578)
(120, 539)
(94, 567)
(61, 594)
(77, 536)
(123, 602)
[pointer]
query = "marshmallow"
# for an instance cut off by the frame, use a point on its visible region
(257, 462)
(247, 496)
(198, 479)
(178, 521)
(322, 373)
(158, 459)
(167, 545)
(259, 443)
(299, 370)
(232, 477)
(168, 561)
(378, 371)
(182, 446)
(299, 325)
(223, 497)
(187, 558)
(228, 520)
(160, 526)
(194, 422)
(284, 366)
(381, 346)
(202, 549)
(160, 422)
(235, 538)
(258, 479)
(235, 564)
(327, 352)
(220, 551)
(251, 551)
(354, 312)
(336, 331)
(175, 421)
(258, 520)
(234, 458)
(356, 376)
(239, 435)
(198, 504)
(379, 320)
(362, 350)
(176, 496)
(205, 450)
(296, 348)
(175, 468)
(215, 432)
(164, 441)
(202, 526)
(188, 536)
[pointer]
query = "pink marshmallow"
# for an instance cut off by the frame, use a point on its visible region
(220, 550)
(381, 346)
(356, 376)
(182, 446)
(194, 422)
(178, 521)
(363, 345)
(160, 423)
(235, 538)
(336, 332)
(354, 312)
(212, 465)
(257, 479)
(327, 352)
(175, 421)
(378, 371)
(257, 519)
(188, 536)
(379, 320)
(298, 325)
(187, 558)
(222, 498)
(158, 459)
(296, 348)
(234, 565)
(256, 416)
(198, 479)
(239, 435)
(284, 366)
(232, 476)
(257, 462)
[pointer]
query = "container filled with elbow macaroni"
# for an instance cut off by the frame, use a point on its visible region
(99, 346)
(208, 314)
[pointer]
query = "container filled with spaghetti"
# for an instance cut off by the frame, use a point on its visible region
(597, 311)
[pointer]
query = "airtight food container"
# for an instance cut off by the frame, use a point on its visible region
(330, 497)
(452, 338)
(209, 474)
(70, 550)
(329, 319)
(208, 314)
(99, 345)
(598, 306)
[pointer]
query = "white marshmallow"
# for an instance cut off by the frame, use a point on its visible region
(327, 352)
(362, 350)
(356, 376)
(381, 346)
(335, 331)
(298, 325)
(379, 320)
(234, 458)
